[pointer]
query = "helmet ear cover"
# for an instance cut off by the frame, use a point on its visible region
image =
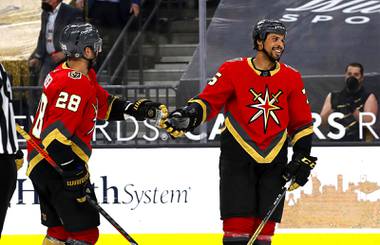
(264, 27)
(97, 48)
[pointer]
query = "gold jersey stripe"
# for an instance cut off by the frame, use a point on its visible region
(302, 133)
(110, 107)
(251, 151)
(203, 105)
(33, 162)
(57, 135)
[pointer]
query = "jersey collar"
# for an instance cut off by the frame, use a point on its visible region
(65, 66)
(259, 72)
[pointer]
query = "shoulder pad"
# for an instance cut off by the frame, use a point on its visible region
(75, 75)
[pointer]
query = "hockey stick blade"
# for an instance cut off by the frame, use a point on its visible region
(268, 214)
(94, 204)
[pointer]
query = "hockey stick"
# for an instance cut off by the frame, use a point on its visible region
(268, 214)
(111, 220)
(94, 204)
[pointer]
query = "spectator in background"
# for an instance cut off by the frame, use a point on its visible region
(79, 4)
(350, 101)
(11, 158)
(48, 54)
(110, 16)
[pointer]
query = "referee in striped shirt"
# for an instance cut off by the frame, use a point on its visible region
(11, 157)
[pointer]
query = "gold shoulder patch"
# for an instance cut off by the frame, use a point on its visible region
(75, 75)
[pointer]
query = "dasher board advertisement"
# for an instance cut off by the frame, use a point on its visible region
(173, 192)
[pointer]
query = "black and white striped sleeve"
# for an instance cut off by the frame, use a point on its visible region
(8, 137)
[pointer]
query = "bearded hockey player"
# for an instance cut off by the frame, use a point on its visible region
(70, 104)
(265, 105)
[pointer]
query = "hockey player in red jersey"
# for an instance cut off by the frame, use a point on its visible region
(265, 105)
(70, 104)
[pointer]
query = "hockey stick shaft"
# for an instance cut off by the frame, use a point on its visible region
(111, 220)
(268, 215)
(38, 148)
(94, 204)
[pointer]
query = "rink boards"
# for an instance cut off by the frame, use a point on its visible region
(170, 196)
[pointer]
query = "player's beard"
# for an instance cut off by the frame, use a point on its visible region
(271, 57)
(91, 63)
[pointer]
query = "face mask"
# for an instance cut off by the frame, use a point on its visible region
(46, 7)
(352, 84)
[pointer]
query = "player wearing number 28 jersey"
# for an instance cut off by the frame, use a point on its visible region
(71, 102)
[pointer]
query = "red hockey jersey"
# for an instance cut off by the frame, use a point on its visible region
(70, 104)
(260, 111)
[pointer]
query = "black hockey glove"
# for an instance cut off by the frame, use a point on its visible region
(76, 180)
(298, 170)
(182, 120)
(145, 109)
(19, 159)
